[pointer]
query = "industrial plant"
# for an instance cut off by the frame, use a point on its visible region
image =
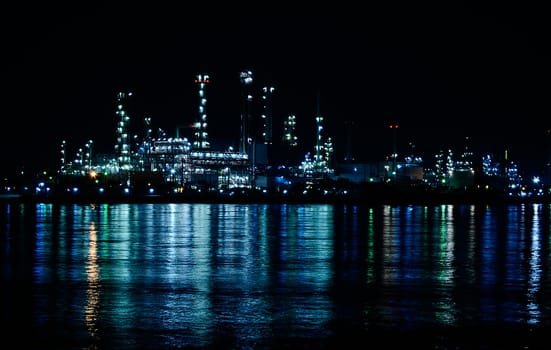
(154, 165)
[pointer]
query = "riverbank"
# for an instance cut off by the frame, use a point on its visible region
(370, 196)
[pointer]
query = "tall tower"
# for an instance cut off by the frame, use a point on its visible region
(201, 136)
(88, 155)
(267, 114)
(246, 78)
(319, 127)
(394, 127)
(63, 168)
(289, 137)
(122, 148)
(147, 141)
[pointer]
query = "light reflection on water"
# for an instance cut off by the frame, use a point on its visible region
(251, 276)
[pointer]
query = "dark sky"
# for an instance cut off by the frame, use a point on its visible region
(444, 71)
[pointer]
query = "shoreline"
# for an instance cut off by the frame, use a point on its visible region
(388, 198)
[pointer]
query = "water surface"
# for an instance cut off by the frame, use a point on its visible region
(166, 276)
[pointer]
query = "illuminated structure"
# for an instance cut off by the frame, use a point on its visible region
(145, 149)
(63, 152)
(319, 166)
(462, 171)
(324, 148)
(318, 148)
(175, 160)
(122, 148)
(443, 167)
(245, 141)
(88, 156)
(394, 155)
(262, 136)
(201, 136)
(175, 164)
(267, 114)
(170, 157)
(81, 164)
(289, 135)
(327, 153)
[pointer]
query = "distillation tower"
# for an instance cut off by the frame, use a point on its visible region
(170, 162)
(319, 166)
(319, 127)
(246, 78)
(122, 148)
(267, 114)
(289, 131)
(201, 136)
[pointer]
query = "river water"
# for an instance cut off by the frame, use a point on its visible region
(264, 276)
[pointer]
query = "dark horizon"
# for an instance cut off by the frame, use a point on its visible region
(444, 72)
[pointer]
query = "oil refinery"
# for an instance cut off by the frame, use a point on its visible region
(174, 164)
(153, 165)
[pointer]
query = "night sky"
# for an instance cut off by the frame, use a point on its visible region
(446, 73)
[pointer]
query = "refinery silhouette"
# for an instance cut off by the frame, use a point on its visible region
(151, 165)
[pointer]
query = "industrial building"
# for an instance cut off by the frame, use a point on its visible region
(178, 164)
(160, 164)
